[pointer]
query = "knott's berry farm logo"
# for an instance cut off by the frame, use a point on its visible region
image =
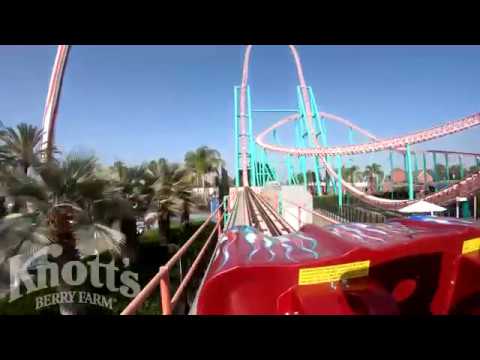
(73, 273)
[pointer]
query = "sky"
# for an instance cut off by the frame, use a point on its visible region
(139, 103)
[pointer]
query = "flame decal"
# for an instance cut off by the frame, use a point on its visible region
(285, 243)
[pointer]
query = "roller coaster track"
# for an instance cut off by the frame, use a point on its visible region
(462, 188)
(264, 217)
(252, 210)
(53, 97)
(374, 146)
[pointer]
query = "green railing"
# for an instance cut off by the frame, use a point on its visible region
(348, 214)
(352, 211)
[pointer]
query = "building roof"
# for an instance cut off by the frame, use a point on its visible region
(422, 207)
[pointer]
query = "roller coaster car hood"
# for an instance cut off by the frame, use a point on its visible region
(423, 265)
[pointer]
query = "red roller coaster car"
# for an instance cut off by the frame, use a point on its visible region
(421, 265)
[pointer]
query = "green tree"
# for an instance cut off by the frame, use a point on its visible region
(348, 173)
(374, 175)
(440, 172)
(131, 183)
(171, 194)
(301, 179)
(454, 172)
(68, 206)
(201, 162)
(20, 146)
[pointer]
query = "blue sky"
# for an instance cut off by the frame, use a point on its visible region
(136, 103)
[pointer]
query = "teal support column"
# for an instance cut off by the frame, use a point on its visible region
(261, 167)
(321, 126)
(462, 170)
(316, 164)
(334, 185)
(320, 121)
(264, 164)
(264, 170)
(302, 133)
(257, 167)
(436, 176)
(235, 129)
(319, 133)
(268, 167)
(465, 205)
(288, 159)
(424, 171)
(415, 162)
(447, 170)
(323, 140)
(252, 146)
(411, 194)
(466, 209)
(297, 144)
(300, 140)
(415, 174)
(391, 162)
(293, 180)
(225, 213)
(477, 160)
(270, 171)
(301, 159)
(339, 182)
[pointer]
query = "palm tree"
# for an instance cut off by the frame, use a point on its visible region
(454, 172)
(373, 173)
(20, 145)
(187, 202)
(201, 162)
(131, 183)
(358, 176)
(70, 207)
(171, 193)
(348, 173)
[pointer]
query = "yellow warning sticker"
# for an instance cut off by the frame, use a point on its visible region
(471, 246)
(331, 273)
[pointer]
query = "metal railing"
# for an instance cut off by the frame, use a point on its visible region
(348, 213)
(162, 279)
(335, 214)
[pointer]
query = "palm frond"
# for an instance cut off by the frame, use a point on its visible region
(97, 238)
(21, 234)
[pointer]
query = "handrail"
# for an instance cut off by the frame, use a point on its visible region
(161, 279)
(192, 269)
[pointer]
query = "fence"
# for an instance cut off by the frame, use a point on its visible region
(347, 213)
(354, 210)
(162, 279)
